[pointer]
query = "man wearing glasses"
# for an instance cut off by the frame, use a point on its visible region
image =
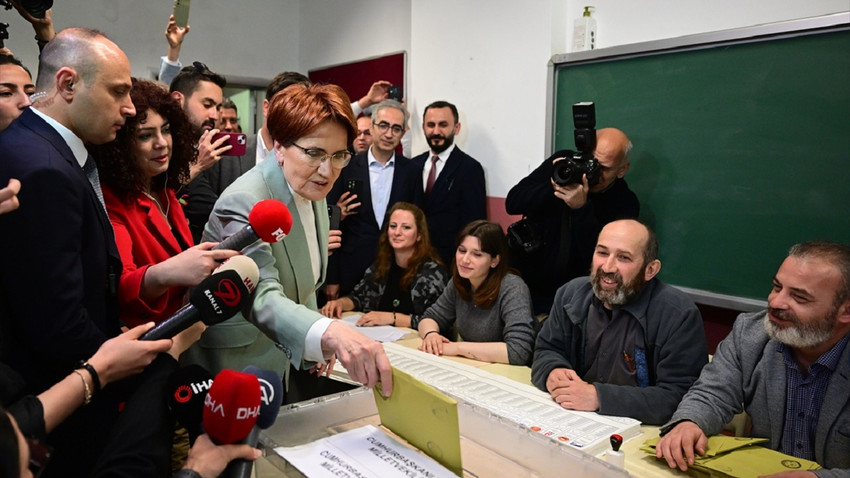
(453, 181)
(374, 180)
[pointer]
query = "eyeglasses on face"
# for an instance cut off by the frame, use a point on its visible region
(338, 160)
(383, 126)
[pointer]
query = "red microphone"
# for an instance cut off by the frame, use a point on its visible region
(269, 220)
(232, 406)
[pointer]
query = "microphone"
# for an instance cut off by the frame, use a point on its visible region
(271, 396)
(216, 299)
(231, 406)
(187, 389)
(269, 220)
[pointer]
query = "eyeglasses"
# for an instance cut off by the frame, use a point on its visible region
(383, 126)
(339, 159)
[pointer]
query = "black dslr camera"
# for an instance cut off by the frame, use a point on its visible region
(570, 169)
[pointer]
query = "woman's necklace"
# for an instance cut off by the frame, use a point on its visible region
(162, 211)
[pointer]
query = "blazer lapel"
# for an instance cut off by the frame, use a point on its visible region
(158, 227)
(447, 176)
(43, 129)
(297, 246)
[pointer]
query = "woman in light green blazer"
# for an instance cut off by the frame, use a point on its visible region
(312, 127)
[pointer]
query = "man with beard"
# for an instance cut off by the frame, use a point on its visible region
(384, 179)
(622, 343)
(788, 368)
(569, 217)
(455, 192)
(199, 92)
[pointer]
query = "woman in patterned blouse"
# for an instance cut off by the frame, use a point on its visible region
(405, 279)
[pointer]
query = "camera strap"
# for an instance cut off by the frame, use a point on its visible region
(566, 239)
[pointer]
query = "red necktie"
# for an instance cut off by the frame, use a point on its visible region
(432, 175)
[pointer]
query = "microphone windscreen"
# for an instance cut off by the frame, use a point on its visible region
(187, 388)
(231, 406)
(271, 395)
(226, 292)
(245, 266)
(270, 219)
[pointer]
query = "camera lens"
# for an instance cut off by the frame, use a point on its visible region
(566, 171)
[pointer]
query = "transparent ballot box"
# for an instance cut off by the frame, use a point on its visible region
(491, 446)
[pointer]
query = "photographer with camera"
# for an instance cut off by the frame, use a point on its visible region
(566, 201)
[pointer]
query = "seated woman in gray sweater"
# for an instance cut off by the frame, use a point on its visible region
(489, 306)
(405, 279)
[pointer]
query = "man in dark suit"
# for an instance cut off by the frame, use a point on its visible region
(453, 181)
(60, 264)
(383, 178)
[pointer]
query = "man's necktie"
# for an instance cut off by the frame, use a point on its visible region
(432, 175)
(90, 168)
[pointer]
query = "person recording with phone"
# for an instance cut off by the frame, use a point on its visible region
(140, 171)
(199, 92)
(567, 213)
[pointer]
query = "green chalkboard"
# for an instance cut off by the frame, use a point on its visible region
(741, 150)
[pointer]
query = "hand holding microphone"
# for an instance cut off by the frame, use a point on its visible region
(269, 220)
(216, 299)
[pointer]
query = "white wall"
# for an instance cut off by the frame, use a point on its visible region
(229, 36)
(635, 21)
(488, 57)
(335, 32)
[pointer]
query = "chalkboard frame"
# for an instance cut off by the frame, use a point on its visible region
(760, 33)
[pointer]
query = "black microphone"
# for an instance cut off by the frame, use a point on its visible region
(271, 397)
(187, 389)
(269, 220)
(216, 299)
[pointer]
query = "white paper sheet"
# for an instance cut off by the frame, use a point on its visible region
(381, 333)
(365, 452)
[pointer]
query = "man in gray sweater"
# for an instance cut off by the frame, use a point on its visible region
(623, 342)
(788, 368)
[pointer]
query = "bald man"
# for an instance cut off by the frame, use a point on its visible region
(60, 264)
(568, 218)
(621, 342)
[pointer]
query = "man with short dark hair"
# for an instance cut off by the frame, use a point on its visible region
(199, 92)
(621, 342)
(60, 265)
(228, 117)
(364, 135)
(787, 367)
(453, 181)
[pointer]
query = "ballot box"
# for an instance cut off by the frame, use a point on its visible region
(491, 446)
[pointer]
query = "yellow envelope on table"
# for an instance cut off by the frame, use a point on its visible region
(424, 417)
(737, 457)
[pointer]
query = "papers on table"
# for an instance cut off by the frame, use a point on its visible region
(365, 452)
(381, 333)
(520, 403)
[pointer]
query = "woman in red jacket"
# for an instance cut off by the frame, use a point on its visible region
(139, 172)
